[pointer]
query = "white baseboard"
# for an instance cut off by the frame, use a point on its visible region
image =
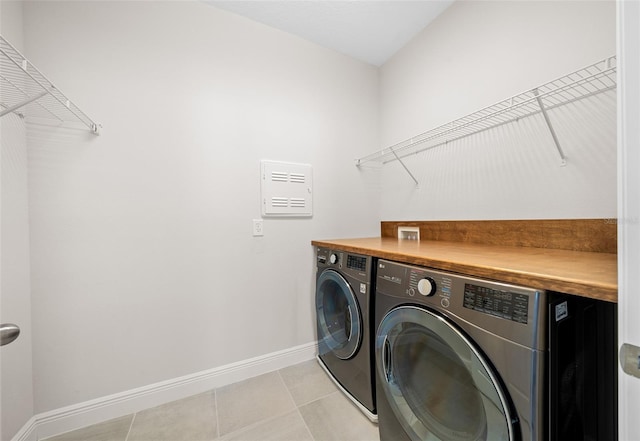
(80, 415)
(28, 431)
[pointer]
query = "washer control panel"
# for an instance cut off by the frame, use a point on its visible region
(354, 265)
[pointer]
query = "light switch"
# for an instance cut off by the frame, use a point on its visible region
(257, 227)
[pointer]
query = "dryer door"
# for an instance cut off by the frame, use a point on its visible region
(339, 321)
(437, 383)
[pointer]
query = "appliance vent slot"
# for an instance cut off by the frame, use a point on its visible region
(279, 202)
(286, 189)
(279, 176)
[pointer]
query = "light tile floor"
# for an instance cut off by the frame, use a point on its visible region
(297, 403)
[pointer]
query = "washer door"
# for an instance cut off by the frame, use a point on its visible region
(437, 383)
(339, 321)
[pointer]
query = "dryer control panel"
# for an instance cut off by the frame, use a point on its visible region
(499, 302)
(511, 311)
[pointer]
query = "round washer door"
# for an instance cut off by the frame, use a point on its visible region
(437, 383)
(339, 321)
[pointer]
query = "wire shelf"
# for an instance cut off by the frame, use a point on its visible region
(589, 81)
(22, 86)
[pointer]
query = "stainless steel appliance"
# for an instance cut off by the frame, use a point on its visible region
(344, 291)
(457, 358)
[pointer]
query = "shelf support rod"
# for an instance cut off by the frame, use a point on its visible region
(563, 158)
(4, 106)
(24, 103)
(405, 168)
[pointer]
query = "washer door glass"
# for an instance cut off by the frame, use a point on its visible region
(438, 385)
(339, 322)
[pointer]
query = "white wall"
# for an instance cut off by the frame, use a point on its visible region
(143, 263)
(16, 389)
(479, 53)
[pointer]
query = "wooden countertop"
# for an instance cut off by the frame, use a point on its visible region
(587, 274)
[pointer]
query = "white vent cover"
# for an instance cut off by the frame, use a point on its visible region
(286, 189)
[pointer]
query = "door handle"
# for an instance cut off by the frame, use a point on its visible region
(8, 332)
(386, 359)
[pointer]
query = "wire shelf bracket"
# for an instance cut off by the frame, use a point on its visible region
(563, 159)
(589, 81)
(22, 84)
(406, 169)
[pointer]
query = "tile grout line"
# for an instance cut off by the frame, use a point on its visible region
(286, 388)
(256, 424)
(297, 408)
(320, 398)
(262, 421)
(126, 438)
(215, 402)
(306, 426)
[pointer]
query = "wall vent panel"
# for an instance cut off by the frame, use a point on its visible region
(286, 189)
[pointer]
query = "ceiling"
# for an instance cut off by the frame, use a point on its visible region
(368, 30)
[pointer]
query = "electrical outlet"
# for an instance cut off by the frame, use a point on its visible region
(257, 227)
(409, 233)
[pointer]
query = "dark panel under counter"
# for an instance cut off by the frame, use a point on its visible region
(582, 368)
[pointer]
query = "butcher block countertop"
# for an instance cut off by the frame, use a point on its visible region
(583, 273)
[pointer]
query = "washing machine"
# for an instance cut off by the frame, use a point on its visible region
(344, 307)
(457, 358)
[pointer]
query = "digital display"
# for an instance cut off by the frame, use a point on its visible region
(503, 304)
(357, 262)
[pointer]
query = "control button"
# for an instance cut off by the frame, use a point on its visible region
(333, 258)
(427, 286)
(445, 302)
(411, 292)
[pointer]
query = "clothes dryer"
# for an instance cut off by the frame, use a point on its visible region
(457, 358)
(344, 307)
